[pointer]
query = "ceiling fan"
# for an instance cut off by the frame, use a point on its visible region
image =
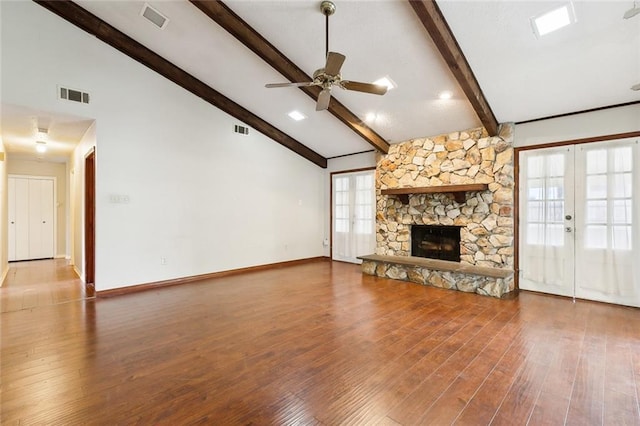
(329, 76)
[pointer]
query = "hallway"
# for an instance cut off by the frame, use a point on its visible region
(38, 283)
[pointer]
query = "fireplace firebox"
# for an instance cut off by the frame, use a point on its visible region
(436, 242)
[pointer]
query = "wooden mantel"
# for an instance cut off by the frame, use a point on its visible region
(458, 191)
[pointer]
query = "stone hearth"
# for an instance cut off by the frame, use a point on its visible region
(485, 217)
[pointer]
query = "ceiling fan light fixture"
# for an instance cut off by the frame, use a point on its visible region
(329, 75)
(553, 20)
(296, 115)
(386, 82)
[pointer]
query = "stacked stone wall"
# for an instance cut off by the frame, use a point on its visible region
(486, 217)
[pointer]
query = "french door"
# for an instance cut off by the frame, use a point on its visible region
(579, 216)
(353, 226)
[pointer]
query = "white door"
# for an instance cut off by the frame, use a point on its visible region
(353, 207)
(546, 214)
(607, 244)
(31, 218)
(18, 206)
(579, 209)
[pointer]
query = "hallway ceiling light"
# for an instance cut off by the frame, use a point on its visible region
(41, 146)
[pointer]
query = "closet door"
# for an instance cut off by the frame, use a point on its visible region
(31, 218)
(40, 218)
(18, 233)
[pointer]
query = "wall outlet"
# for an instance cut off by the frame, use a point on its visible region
(163, 260)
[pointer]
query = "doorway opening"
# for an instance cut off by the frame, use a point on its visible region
(89, 222)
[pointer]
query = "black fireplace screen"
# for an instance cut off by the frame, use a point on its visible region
(436, 242)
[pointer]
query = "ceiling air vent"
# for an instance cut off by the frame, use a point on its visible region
(155, 17)
(73, 95)
(241, 129)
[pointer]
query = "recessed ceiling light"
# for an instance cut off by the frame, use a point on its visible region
(370, 117)
(386, 81)
(553, 20)
(445, 95)
(296, 115)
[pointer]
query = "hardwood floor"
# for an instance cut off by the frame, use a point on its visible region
(316, 344)
(39, 283)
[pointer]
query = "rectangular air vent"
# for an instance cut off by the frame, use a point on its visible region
(73, 95)
(153, 16)
(241, 129)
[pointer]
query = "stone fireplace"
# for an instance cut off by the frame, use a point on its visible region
(483, 218)
(436, 242)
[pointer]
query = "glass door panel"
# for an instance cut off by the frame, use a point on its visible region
(353, 215)
(546, 217)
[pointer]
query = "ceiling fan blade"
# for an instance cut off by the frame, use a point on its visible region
(334, 63)
(323, 100)
(306, 83)
(632, 12)
(375, 89)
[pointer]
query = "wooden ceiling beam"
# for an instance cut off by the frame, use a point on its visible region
(125, 44)
(433, 21)
(236, 26)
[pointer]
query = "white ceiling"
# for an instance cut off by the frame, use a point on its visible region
(588, 65)
(19, 126)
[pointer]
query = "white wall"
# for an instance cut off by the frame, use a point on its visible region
(201, 196)
(18, 166)
(4, 226)
(598, 123)
(341, 164)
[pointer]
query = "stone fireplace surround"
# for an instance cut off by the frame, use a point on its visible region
(485, 217)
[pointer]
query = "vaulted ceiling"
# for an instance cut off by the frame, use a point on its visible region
(484, 53)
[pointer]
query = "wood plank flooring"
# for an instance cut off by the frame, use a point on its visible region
(320, 344)
(39, 283)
